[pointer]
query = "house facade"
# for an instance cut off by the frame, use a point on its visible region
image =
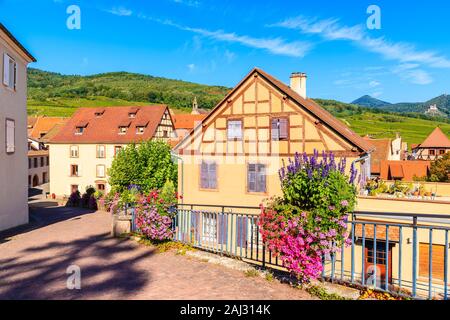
(83, 149)
(233, 156)
(14, 59)
(435, 146)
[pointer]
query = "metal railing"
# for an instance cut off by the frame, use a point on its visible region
(389, 251)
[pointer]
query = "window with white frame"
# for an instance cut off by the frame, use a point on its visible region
(100, 171)
(10, 136)
(101, 151)
(234, 129)
(9, 72)
(74, 151)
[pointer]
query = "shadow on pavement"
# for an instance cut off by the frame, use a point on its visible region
(103, 272)
(42, 214)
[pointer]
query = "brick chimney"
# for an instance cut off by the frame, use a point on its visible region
(298, 83)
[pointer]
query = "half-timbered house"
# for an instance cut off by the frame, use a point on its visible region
(233, 156)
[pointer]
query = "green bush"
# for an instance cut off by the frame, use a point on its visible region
(148, 166)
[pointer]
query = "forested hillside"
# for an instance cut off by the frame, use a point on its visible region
(53, 94)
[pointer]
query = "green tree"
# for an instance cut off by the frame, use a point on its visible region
(440, 169)
(148, 165)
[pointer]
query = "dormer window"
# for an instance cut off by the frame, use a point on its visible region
(99, 113)
(132, 112)
(123, 130)
(140, 130)
(80, 127)
(141, 125)
(123, 126)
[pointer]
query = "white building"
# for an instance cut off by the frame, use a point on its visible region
(13, 131)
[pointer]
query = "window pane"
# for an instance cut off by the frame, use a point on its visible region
(275, 129)
(234, 129)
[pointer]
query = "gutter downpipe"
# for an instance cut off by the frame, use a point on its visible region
(182, 173)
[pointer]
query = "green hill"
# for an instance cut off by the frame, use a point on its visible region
(53, 94)
(59, 94)
(368, 101)
(442, 102)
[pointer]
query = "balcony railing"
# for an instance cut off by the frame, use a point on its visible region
(401, 253)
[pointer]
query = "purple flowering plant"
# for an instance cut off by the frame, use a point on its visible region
(310, 220)
(154, 216)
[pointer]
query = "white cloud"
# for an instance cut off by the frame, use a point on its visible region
(331, 29)
(411, 73)
(229, 56)
(120, 11)
(190, 3)
(191, 67)
(374, 84)
(276, 46)
(376, 94)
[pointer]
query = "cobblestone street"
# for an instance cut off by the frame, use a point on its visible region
(33, 265)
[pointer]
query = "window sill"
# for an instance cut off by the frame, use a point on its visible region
(208, 190)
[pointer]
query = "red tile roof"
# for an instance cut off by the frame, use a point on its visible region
(437, 139)
(308, 104)
(381, 152)
(404, 170)
(41, 125)
(105, 128)
(187, 121)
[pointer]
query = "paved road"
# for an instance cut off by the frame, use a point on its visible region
(33, 265)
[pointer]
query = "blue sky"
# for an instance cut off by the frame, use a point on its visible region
(218, 42)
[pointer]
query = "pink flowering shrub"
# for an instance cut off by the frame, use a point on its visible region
(154, 215)
(310, 221)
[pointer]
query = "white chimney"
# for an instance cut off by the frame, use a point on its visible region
(298, 83)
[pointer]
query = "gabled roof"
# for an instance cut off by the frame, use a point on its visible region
(105, 128)
(308, 104)
(380, 153)
(187, 121)
(437, 139)
(52, 132)
(405, 170)
(42, 125)
(21, 47)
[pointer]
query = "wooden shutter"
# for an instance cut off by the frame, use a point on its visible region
(251, 178)
(283, 128)
(5, 69)
(437, 261)
(204, 175)
(212, 177)
(10, 136)
(261, 178)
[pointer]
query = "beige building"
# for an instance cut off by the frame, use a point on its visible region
(233, 156)
(38, 167)
(13, 130)
(83, 149)
(434, 147)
